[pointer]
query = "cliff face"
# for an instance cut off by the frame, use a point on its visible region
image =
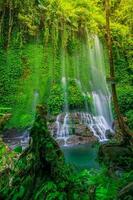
(33, 37)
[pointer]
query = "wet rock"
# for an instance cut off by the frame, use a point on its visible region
(62, 116)
(16, 137)
(52, 128)
(109, 134)
(13, 133)
(79, 133)
(74, 140)
(75, 118)
(82, 130)
(61, 142)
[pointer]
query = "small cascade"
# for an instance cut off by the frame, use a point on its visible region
(98, 125)
(78, 82)
(62, 127)
(102, 108)
(58, 126)
(65, 128)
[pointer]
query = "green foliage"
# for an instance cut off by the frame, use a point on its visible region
(11, 70)
(125, 98)
(129, 116)
(31, 64)
(51, 178)
(18, 149)
(125, 94)
(7, 157)
(75, 97)
(4, 110)
(97, 185)
(56, 99)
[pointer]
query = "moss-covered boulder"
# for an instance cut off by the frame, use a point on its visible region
(116, 156)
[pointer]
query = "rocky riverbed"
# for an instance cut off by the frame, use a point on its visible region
(79, 132)
(78, 126)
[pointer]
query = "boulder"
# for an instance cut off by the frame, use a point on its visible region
(74, 140)
(116, 155)
(109, 134)
(61, 142)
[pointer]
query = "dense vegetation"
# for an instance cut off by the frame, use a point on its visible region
(41, 173)
(35, 37)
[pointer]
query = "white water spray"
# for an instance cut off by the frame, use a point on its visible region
(100, 119)
(100, 92)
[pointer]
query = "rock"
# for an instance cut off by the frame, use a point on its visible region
(61, 142)
(13, 133)
(81, 129)
(79, 133)
(109, 134)
(75, 118)
(62, 116)
(116, 155)
(53, 129)
(74, 140)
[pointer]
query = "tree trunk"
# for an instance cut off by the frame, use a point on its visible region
(112, 73)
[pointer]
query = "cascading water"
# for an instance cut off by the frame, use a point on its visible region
(63, 128)
(98, 116)
(100, 92)
(78, 82)
(100, 120)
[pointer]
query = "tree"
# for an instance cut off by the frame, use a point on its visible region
(112, 74)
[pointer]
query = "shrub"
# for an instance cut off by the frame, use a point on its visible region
(125, 95)
(129, 115)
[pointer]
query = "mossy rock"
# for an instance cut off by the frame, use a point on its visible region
(116, 155)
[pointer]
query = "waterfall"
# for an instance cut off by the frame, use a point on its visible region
(58, 126)
(79, 84)
(97, 117)
(100, 92)
(63, 128)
